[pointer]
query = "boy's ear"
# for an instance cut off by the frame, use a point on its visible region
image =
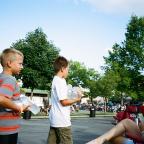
(9, 64)
(62, 69)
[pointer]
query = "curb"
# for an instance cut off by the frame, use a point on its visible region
(81, 116)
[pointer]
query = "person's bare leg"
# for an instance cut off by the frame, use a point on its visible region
(125, 126)
(141, 127)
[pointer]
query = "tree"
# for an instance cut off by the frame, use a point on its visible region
(77, 73)
(106, 85)
(134, 46)
(127, 59)
(80, 75)
(39, 55)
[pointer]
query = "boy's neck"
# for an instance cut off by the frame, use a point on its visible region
(59, 75)
(7, 72)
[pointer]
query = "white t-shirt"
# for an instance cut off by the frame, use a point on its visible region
(59, 115)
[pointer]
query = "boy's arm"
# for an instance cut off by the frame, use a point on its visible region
(67, 102)
(7, 103)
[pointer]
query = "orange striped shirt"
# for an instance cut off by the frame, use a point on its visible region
(9, 122)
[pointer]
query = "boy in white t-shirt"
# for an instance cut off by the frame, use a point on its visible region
(60, 123)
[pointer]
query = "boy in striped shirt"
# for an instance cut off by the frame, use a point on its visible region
(12, 63)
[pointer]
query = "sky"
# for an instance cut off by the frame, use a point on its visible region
(83, 30)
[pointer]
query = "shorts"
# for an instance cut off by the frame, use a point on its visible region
(60, 135)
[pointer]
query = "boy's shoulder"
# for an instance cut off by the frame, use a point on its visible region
(7, 77)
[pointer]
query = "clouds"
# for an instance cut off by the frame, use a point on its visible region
(127, 7)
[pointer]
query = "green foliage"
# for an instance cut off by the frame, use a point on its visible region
(77, 73)
(80, 75)
(106, 84)
(39, 55)
(127, 60)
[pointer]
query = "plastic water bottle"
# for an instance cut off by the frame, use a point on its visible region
(34, 109)
(136, 120)
(25, 101)
(69, 91)
(140, 116)
(75, 92)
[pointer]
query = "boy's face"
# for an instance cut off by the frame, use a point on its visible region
(65, 72)
(17, 64)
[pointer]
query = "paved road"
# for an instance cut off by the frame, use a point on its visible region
(35, 131)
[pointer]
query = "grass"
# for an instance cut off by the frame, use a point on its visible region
(86, 113)
(80, 113)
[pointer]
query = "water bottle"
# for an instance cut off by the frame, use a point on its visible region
(140, 115)
(24, 100)
(137, 120)
(69, 91)
(34, 108)
(75, 92)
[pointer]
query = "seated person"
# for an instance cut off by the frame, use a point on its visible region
(118, 134)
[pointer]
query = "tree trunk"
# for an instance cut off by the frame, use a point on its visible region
(105, 100)
(31, 96)
(122, 99)
(91, 99)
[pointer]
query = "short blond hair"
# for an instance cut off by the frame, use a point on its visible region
(9, 55)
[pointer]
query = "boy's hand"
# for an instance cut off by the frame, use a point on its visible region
(24, 108)
(21, 109)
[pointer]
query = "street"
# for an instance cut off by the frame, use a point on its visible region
(35, 131)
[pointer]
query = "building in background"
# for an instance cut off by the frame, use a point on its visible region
(40, 97)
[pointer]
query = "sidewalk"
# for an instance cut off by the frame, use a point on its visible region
(80, 114)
